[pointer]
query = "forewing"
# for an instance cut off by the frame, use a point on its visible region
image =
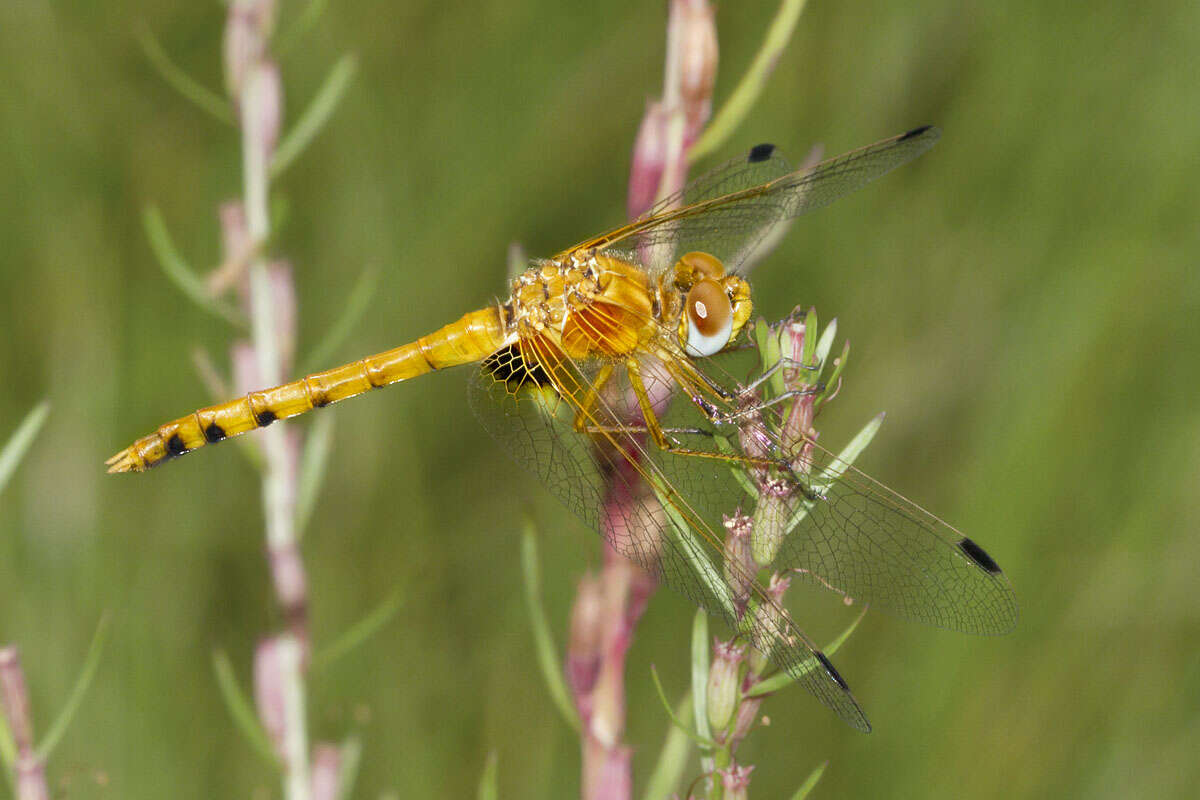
(622, 487)
(730, 210)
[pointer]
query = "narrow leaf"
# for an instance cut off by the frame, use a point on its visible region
(18, 444)
(182, 275)
(90, 662)
(680, 718)
(314, 117)
(824, 345)
(700, 646)
(547, 653)
(313, 463)
(302, 25)
(747, 92)
(673, 757)
(810, 783)
(360, 631)
(487, 781)
(781, 679)
(180, 81)
(831, 386)
(810, 340)
(356, 304)
(837, 466)
(696, 557)
(241, 709)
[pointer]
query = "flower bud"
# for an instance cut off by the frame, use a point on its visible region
(770, 621)
(771, 517)
(735, 781)
(740, 568)
(724, 683)
(649, 159)
(694, 30)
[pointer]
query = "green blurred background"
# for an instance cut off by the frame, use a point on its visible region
(1022, 301)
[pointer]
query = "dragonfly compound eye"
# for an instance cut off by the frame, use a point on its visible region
(709, 318)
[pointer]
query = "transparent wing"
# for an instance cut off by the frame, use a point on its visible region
(730, 210)
(864, 540)
(660, 515)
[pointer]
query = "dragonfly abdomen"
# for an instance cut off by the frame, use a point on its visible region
(472, 338)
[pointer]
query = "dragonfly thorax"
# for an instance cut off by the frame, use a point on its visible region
(586, 304)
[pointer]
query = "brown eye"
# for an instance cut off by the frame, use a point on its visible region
(709, 318)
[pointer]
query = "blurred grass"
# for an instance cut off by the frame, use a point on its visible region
(1022, 302)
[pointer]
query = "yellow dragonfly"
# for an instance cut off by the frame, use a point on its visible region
(585, 369)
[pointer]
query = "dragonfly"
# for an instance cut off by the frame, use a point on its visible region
(600, 372)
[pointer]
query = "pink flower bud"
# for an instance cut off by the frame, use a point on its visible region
(736, 781)
(740, 567)
(649, 157)
(587, 629)
(771, 621)
(696, 53)
(262, 109)
(269, 693)
(326, 772)
(247, 31)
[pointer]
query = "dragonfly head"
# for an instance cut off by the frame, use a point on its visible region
(715, 306)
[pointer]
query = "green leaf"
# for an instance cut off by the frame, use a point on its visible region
(824, 345)
(241, 709)
(781, 679)
(314, 117)
(739, 473)
(356, 304)
(487, 781)
(182, 275)
(810, 340)
(681, 532)
(850, 453)
(291, 37)
(547, 653)
(313, 462)
(90, 662)
(180, 81)
(747, 92)
(360, 631)
(700, 647)
(831, 386)
(673, 757)
(18, 444)
(837, 466)
(679, 718)
(769, 353)
(810, 783)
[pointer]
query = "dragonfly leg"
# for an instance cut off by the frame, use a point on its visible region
(583, 412)
(659, 437)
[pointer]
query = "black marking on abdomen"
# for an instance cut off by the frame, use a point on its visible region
(265, 418)
(214, 433)
(508, 366)
(175, 446)
(979, 556)
(760, 152)
(833, 673)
